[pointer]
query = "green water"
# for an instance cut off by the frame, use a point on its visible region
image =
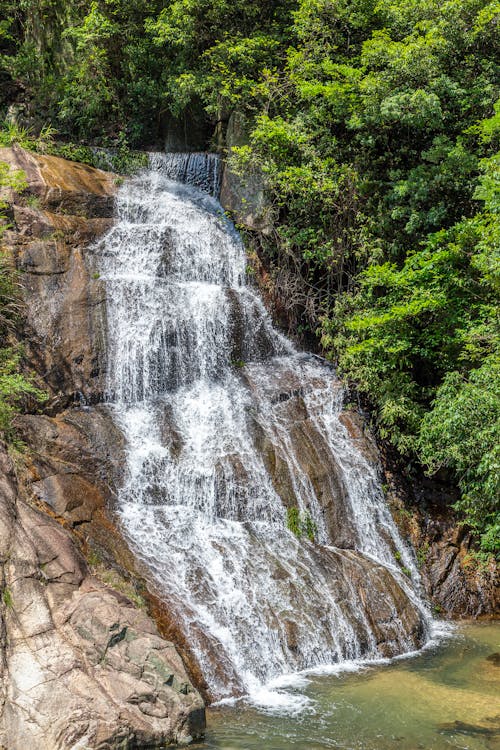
(446, 697)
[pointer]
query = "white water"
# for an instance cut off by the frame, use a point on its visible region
(215, 404)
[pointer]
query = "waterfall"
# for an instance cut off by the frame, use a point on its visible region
(201, 170)
(227, 425)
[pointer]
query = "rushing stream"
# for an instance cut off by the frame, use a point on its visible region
(228, 425)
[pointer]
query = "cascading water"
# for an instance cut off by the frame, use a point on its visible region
(227, 425)
(201, 170)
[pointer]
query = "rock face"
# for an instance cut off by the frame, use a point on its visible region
(66, 207)
(244, 197)
(309, 451)
(456, 585)
(76, 461)
(81, 666)
(454, 582)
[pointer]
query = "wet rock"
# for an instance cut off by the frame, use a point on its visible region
(291, 634)
(298, 444)
(72, 469)
(454, 582)
(374, 616)
(360, 436)
(76, 461)
(494, 659)
(392, 617)
(81, 666)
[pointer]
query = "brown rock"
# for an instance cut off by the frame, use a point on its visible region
(70, 495)
(454, 581)
(80, 665)
(64, 185)
(361, 438)
(303, 446)
(65, 301)
(76, 461)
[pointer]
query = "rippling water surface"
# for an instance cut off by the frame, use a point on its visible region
(446, 697)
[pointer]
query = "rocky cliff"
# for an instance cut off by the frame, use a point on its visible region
(84, 665)
(65, 207)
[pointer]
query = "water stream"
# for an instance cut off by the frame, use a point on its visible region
(227, 425)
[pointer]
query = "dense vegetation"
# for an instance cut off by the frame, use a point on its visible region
(376, 124)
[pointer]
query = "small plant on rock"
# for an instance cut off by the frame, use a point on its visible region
(300, 524)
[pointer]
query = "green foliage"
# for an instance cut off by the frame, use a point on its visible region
(300, 524)
(238, 363)
(422, 341)
(462, 432)
(12, 134)
(293, 521)
(422, 554)
(309, 527)
(15, 388)
(76, 152)
(7, 598)
(123, 160)
(11, 180)
(111, 65)
(120, 159)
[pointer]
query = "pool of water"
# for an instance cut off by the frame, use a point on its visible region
(446, 697)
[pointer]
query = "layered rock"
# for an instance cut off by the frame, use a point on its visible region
(81, 667)
(65, 207)
(456, 583)
(75, 461)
